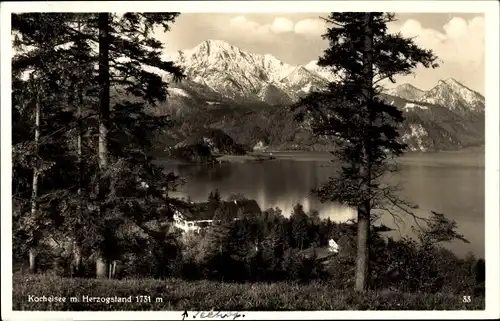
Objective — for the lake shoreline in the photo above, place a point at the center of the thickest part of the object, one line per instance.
(327, 156)
(298, 155)
(451, 183)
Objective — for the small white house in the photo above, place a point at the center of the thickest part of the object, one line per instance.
(322, 254)
(187, 224)
(333, 246)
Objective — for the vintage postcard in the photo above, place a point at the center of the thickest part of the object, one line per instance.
(250, 160)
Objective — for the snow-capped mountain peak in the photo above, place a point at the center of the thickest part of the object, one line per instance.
(224, 83)
(217, 43)
(298, 74)
(452, 82)
(323, 72)
(236, 73)
(469, 95)
(448, 93)
(406, 91)
(454, 95)
(312, 65)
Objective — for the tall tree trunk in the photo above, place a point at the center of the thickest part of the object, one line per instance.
(362, 260)
(362, 248)
(34, 194)
(101, 267)
(32, 259)
(113, 269)
(77, 248)
(102, 264)
(77, 259)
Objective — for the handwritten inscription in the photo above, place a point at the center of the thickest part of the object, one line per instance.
(232, 315)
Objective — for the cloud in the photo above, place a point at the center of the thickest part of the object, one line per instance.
(306, 27)
(455, 28)
(313, 27)
(281, 24)
(462, 41)
(459, 46)
(244, 24)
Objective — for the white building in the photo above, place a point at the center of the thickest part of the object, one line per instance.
(204, 214)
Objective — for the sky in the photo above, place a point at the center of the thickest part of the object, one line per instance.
(295, 38)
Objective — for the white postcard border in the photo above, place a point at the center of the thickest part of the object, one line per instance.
(492, 225)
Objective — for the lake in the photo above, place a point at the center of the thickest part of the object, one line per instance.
(451, 183)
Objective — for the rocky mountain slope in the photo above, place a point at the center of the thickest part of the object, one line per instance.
(455, 96)
(237, 74)
(406, 91)
(245, 95)
(429, 127)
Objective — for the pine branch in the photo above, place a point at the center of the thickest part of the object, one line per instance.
(332, 22)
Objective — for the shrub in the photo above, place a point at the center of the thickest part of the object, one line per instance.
(263, 248)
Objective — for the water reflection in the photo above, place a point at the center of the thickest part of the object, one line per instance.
(439, 182)
(273, 184)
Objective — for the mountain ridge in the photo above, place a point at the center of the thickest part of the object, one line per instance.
(224, 83)
(227, 69)
(236, 73)
(406, 91)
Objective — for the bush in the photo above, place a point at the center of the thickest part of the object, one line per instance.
(264, 248)
(409, 266)
(340, 273)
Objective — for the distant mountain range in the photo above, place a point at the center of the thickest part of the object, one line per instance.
(246, 96)
(237, 74)
(449, 93)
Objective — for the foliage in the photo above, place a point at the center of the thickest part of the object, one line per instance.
(261, 248)
(299, 227)
(201, 146)
(352, 115)
(198, 153)
(38, 86)
(354, 121)
(214, 197)
(132, 223)
(60, 51)
(275, 127)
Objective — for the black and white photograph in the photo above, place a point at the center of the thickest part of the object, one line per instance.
(218, 160)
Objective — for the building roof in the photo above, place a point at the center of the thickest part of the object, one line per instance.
(321, 253)
(224, 210)
(249, 206)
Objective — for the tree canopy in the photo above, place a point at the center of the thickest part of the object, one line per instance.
(361, 54)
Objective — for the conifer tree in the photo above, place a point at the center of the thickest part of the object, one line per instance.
(40, 132)
(129, 77)
(217, 197)
(128, 53)
(214, 197)
(299, 227)
(362, 54)
(81, 86)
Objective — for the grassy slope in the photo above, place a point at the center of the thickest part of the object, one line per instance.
(206, 295)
